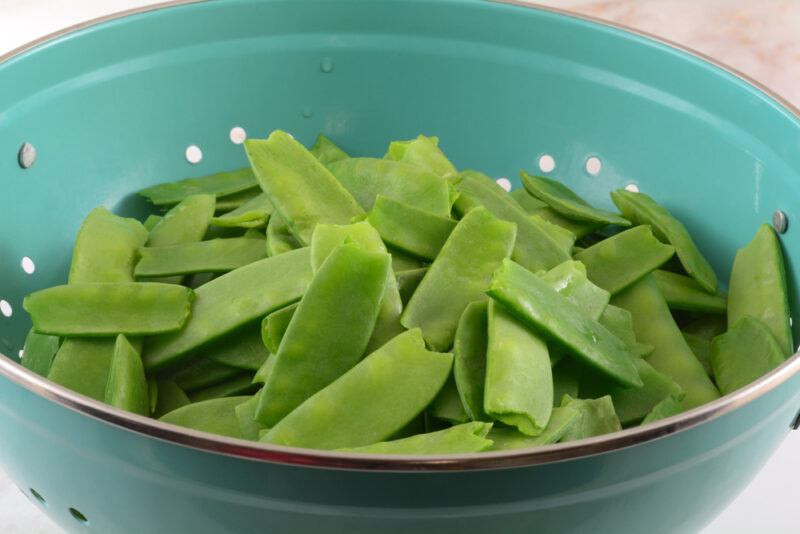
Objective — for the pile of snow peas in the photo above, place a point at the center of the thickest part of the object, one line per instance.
(397, 305)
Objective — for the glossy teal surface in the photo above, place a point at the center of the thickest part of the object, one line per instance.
(112, 108)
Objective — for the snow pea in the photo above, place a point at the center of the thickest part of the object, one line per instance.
(459, 275)
(619, 261)
(534, 206)
(326, 151)
(562, 237)
(469, 358)
(569, 279)
(252, 214)
(566, 202)
(186, 222)
(372, 401)
(519, 380)
(758, 287)
(214, 256)
(620, 323)
(746, 352)
(562, 419)
(236, 200)
(329, 330)
(534, 248)
(263, 372)
(566, 379)
(366, 178)
(241, 384)
(408, 281)
(127, 385)
(105, 309)
(302, 190)
(459, 439)
(170, 397)
(541, 307)
(684, 293)
(202, 373)
(242, 349)
(423, 152)
(701, 348)
(401, 262)
(653, 324)
(233, 300)
(219, 185)
(279, 238)
(447, 404)
(706, 326)
(641, 209)
(151, 222)
(217, 416)
(274, 326)
(597, 417)
(38, 352)
(668, 407)
(410, 229)
(82, 365)
(245, 415)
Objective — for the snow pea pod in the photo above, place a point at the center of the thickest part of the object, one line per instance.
(301, 189)
(668, 407)
(242, 349)
(214, 256)
(237, 200)
(566, 379)
(245, 415)
(619, 261)
(758, 287)
(562, 237)
(263, 372)
(701, 347)
(620, 323)
(459, 275)
(653, 324)
(566, 202)
(151, 222)
(562, 419)
(459, 439)
(423, 152)
(241, 384)
(366, 178)
(186, 222)
(408, 228)
(170, 397)
(202, 373)
(219, 185)
(684, 293)
(641, 209)
(252, 214)
(82, 365)
(519, 380)
(217, 416)
(105, 309)
(326, 151)
(127, 385)
(274, 326)
(408, 281)
(746, 352)
(279, 238)
(402, 262)
(372, 401)
(597, 417)
(38, 352)
(447, 404)
(233, 300)
(469, 358)
(541, 307)
(570, 280)
(534, 206)
(329, 330)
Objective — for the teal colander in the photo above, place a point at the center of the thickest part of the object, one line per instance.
(112, 106)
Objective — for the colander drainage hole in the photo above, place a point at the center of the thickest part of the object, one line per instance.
(38, 496)
(78, 516)
(593, 165)
(27, 265)
(194, 154)
(632, 187)
(547, 163)
(238, 135)
(505, 183)
(5, 308)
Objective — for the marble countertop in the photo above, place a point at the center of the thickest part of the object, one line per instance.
(757, 37)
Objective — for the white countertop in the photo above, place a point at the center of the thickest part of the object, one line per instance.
(760, 38)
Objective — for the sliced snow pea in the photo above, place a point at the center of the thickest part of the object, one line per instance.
(469, 358)
(151, 222)
(620, 323)
(463, 438)
(408, 281)
(641, 209)
(236, 200)
(219, 185)
(242, 349)
(214, 256)
(274, 326)
(203, 373)
(619, 261)
(459, 275)
(301, 189)
(326, 151)
(534, 248)
(245, 415)
(233, 300)
(329, 330)
(597, 417)
(706, 326)
(410, 229)
(105, 309)
(668, 407)
(653, 324)
(541, 307)
(684, 293)
(447, 404)
(562, 237)
(570, 280)
(701, 347)
(263, 372)
(186, 222)
(758, 287)
(423, 152)
(127, 385)
(746, 352)
(372, 401)
(534, 206)
(279, 238)
(566, 379)
(241, 384)
(217, 416)
(170, 397)
(252, 214)
(562, 419)
(401, 262)
(564, 201)
(82, 365)
(38, 352)
(366, 178)
(519, 380)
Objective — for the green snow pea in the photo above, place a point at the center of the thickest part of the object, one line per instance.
(186, 222)
(668, 407)
(127, 385)
(447, 404)
(279, 238)
(459, 439)
(219, 185)
(263, 372)
(82, 365)
(597, 418)
(534, 206)
(746, 352)
(701, 347)
(38, 352)
(620, 323)
(274, 326)
(372, 401)
(151, 222)
(619, 261)
(684, 293)
(245, 415)
(562, 419)
(217, 416)
(566, 379)
(653, 324)
(302, 190)
(562, 237)
(236, 200)
(202, 373)
(214, 256)
(410, 229)
(541, 307)
(366, 178)
(241, 384)
(570, 280)
(408, 281)
(758, 287)
(469, 358)
(170, 397)
(564, 201)
(423, 152)
(242, 349)
(459, 275)
(534, 248)
(401, 262)
(252, 214)
(105, 309)
(233, 300)
(519, 380)
(641, 209)
(329, 330)
(706, 326)
(326, 151)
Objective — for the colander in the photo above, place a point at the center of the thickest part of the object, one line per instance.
(103, 109)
